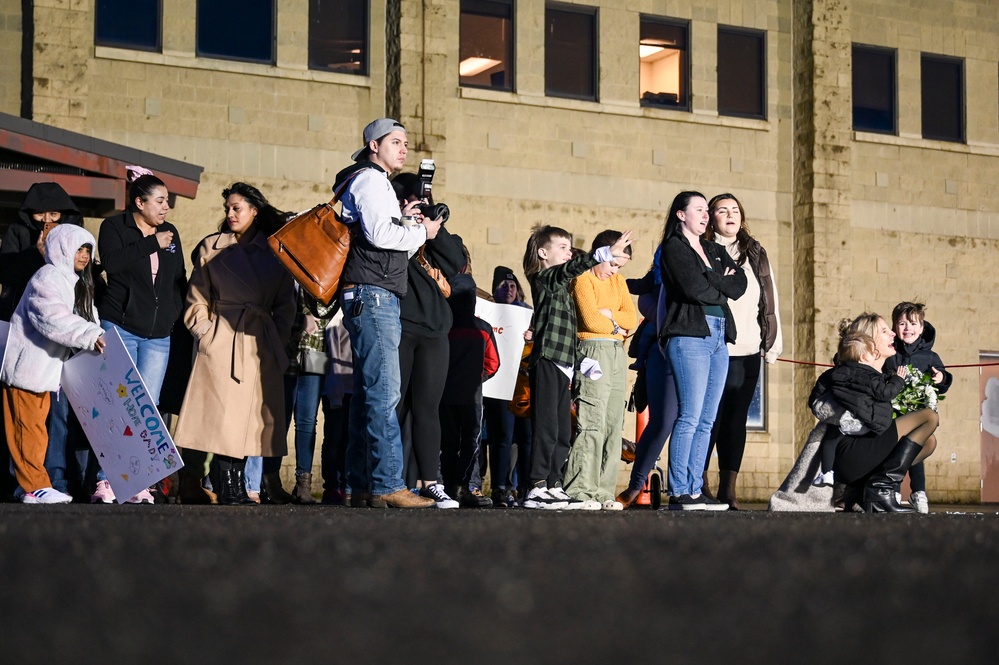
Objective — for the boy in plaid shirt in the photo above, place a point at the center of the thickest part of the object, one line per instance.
(549, 266)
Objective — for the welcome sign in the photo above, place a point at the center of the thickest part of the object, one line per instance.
(509, 323)
(124, 427)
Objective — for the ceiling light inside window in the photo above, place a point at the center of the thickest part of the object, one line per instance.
(475, 66)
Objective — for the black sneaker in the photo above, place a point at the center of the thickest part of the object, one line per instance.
(709, 503)
(687, 502)
(472, 497)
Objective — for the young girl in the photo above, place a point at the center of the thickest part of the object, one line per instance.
(548, 266)
(55, 315)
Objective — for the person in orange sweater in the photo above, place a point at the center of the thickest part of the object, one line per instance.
(605, 315)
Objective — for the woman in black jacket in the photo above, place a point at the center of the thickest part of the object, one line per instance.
(142, 257)
(699, 277)
(424, 352)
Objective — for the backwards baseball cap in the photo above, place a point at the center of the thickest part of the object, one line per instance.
(376, 130)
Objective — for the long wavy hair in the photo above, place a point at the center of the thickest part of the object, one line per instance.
(84, 292)
(680, 202)
(268, 220)
(747, 245)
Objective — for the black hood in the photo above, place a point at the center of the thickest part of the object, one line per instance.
(48, 197)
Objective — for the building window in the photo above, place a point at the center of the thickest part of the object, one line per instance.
(874, 89)
(571, 51)
(236, 31)
(128, 24)
(486, 51)
(943, 98)
(742, 78)
(338, 36)
(664, 65)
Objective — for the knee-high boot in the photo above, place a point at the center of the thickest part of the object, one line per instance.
(879, 494)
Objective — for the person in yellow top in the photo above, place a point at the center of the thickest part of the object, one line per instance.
(605, 315)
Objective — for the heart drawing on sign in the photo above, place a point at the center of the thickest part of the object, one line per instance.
(128, 431)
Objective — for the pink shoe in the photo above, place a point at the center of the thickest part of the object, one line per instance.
(102, 493)
(145, 496)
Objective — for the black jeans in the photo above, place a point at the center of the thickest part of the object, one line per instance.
(729, 431)
(334, 449)
(461, 434)
(423, 365)
(551, 419)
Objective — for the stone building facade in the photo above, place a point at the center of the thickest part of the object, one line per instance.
(853, 220)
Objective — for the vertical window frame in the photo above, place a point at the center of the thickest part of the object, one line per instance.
(684, 99)
(512, 68)
(365, 67)
(962, 110)
(594, 13)
(873, 50)
(200, 53)
(158, 48)
(762, 64)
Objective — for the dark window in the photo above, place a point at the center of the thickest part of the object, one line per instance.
(664, 67)
(943, 98)
(742, 78)
(486, 51)
(874, 89)
(128, 24)
(338, 35)
(236, 30)
(571, 52)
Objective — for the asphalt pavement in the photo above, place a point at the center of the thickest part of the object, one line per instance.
(320, 584)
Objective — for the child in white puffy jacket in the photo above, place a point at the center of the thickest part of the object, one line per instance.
(56, 315)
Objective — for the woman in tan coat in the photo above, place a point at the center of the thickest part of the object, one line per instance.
(240, 309)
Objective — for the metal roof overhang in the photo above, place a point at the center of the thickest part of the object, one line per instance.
(87, 168)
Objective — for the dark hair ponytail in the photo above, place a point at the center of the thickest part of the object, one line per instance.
(680, 202)
(142, 188)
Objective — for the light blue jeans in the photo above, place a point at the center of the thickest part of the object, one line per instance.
(150, 355)
(374, 447)
(700, 365)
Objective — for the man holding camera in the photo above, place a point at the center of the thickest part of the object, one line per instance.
(374, 280)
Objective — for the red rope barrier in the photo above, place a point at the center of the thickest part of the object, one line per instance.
(804, 362)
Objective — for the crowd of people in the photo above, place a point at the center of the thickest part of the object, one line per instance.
(238, 351)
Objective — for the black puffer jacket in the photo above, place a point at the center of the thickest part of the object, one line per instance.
(920, 355)
(865, 392)
(19, 256)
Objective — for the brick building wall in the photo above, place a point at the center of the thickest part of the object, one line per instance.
(851, 220)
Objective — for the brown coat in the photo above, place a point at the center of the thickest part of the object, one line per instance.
(240, 309)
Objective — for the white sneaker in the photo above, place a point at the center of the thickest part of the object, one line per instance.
(145, 496)
(539, 498)
(570, 502)
(591, 504)
(709, 503)
(612, 504)
(824, 479)
(46, 495)
(440, 497)
(919, 501)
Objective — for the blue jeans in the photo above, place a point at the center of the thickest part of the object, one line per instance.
(56, 460)
(661, 390)
(252, 473)
(700, 365)
(302, 393)
(374, 447)
(150, 355)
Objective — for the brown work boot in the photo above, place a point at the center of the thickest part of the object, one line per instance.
(402, 499)
(302, 494)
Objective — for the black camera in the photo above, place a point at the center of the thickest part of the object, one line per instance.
(426, 176)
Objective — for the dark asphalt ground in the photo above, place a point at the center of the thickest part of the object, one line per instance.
(316, 584)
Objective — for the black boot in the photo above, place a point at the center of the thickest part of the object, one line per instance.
(879, 494)
(232, 491)
(272, 491)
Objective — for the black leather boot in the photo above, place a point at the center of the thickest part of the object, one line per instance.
(726, 489)
(879, 494)
(272, 491)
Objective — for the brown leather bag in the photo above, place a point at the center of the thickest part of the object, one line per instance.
(435, 274)
(313, 247)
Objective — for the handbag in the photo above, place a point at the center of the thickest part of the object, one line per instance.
(435, 274)
(313, 247)
(311, 361)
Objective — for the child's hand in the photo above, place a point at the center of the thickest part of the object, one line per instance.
(937, 375)
(902, 372)
(617, 249)
(99, 344)
(528, 335)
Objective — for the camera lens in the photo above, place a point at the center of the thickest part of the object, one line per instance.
(436, 210)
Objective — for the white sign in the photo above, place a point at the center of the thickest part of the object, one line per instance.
(124, 427)
(509, 323)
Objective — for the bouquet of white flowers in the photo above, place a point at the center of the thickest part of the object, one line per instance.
(919, 393)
